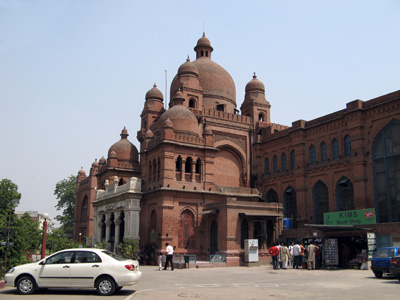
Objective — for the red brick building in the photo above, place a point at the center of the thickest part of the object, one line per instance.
(210, 177)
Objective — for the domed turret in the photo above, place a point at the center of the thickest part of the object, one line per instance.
(154, 93)
(124, 150)
(188, 68)
(255, 85)
(218, 87)
(182, 119)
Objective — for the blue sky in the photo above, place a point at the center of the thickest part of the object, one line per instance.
(74, 73)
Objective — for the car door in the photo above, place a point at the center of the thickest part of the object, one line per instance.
(85, 268)
(56, 270)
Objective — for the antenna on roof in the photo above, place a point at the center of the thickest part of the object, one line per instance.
(166, 93)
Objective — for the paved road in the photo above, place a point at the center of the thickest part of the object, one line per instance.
(242, 283)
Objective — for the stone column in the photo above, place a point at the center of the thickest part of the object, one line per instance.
(117, 223)
(108, 230)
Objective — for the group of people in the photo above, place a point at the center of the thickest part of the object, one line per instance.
(284, 256)
(169, 251)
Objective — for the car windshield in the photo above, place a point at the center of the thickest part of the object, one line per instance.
(113, 255)
(384, 253)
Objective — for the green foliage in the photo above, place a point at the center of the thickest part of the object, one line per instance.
(58, 240)
(24, 238)
(130, 248)
(148, 252)
(101, 245)
(9, 196)
(65, 193)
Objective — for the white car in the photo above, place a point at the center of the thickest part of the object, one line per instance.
(76, 268)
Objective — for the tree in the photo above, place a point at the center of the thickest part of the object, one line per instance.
(9, 199)
(58, 240)
(9, 196)
(66, 192)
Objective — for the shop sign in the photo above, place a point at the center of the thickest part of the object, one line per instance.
(350, 217)
(371, 237)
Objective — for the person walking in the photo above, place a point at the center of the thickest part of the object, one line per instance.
(291, 254)
(301, 255)
(170, 254)
(311, 249)
(296, 255)
(285, 255)
(160, 261)
(274, 252)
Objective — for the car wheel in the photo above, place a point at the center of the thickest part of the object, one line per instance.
(105, 286)
(378, 274)
(26, 285)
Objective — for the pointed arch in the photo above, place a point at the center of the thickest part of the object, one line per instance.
(321, 202)
(344, 194)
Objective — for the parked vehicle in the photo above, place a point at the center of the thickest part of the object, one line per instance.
(380, 263)
(395, 266)
(76, 268)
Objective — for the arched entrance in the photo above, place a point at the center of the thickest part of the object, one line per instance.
(214, 237)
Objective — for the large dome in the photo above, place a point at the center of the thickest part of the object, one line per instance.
(217, 85)
(124, 149)
(215, 80)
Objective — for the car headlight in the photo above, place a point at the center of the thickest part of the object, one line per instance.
(11, 270)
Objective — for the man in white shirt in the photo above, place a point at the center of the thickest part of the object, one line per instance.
(170, 254)
(296, 256)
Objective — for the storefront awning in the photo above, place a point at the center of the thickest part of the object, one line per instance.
(261, 214)
(208, 212)
(328, 228)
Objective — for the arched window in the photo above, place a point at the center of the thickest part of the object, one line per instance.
(84, 210)
(186, 235)
(150, 170)
(347, 146)
(178, 167)
(321, 202)
(158, 169)
(192, 103)
(335, 149)
(266, 166)
(290, 205)
(275, 164)
(121, 181)
(153, 227)
(261, 117)
(258, 233)
(386, 168)
(154, 170)
(313, 159)
(292, 160)
(272, 196)
(244, 232)
(344, 195)
(220, 107)
(283, 161)
(198, 166)
(188, 165)
(324, 155)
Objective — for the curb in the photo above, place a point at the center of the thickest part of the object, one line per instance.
(2, 284)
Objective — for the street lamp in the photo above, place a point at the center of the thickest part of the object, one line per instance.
(80, 240)
(45, 216)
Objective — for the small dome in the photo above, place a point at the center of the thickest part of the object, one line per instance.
(95, 163)
(112, 154)
(188, 68)
(154, 93)
(168, 124)
(124, 150)
(203, 41)
(82, 172)
(102, 160)
(182, 119)
(255, 85)
(149, 134)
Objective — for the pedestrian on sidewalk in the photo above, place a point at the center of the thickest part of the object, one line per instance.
(274, 252)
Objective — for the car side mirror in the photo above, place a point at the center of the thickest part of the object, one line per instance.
(43, 262)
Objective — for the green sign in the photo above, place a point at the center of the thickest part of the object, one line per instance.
(351, 217)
